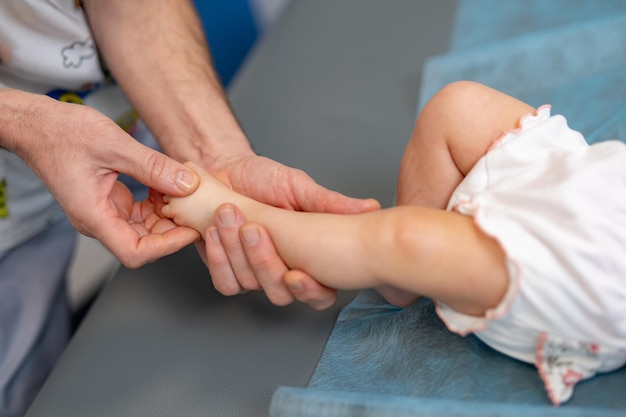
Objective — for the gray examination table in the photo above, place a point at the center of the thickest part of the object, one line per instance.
(333, 90)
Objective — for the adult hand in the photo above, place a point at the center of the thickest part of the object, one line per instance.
(78, 153)
(191, 119)
(242, 257)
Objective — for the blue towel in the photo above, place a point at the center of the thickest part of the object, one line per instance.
(384, 361)
(316, 403)
(481, 22)
(534, 62)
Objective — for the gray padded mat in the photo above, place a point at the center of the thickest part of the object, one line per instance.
(161, 342)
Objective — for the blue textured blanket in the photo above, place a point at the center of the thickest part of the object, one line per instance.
(384, 361)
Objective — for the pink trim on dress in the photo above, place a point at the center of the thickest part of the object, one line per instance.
(513, 289)
(563, 363)
(503, 306)
(522, 120)
(540, 368)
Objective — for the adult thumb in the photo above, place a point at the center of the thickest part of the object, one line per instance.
(160, 172)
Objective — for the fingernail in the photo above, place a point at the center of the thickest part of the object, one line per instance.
(215, 236)
(185, 179)
(227, 217)
(250, 235)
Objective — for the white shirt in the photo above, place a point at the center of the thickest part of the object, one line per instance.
(46, 47)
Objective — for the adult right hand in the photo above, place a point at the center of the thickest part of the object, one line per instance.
(239, 263)
(234, 243)
(79, 153)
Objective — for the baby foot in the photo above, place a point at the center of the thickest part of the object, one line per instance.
(197, 209)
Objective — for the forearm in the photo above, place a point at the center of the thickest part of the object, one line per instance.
(157, 52)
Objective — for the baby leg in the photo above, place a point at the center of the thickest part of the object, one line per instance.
(196, 210)
(454, 130)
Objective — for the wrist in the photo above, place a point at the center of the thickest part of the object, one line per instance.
(20, 112)
(213, 153)
(9, 117)
(203, 130)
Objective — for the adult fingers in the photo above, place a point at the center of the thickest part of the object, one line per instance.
(228, 222)
(134, 249)
(216, 259)
(313, 197)
(243, 257)
(265, 262)
(156, 170)
(134, 233)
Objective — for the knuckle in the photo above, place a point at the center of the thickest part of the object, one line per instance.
(280, 300)
(130, 261)
(321, 305)
(261, 263)
(250, 283)
(217, 262)
(318, 300)
(227, 287)
(155, 165)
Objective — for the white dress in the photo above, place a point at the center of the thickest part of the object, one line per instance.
(557, 206)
